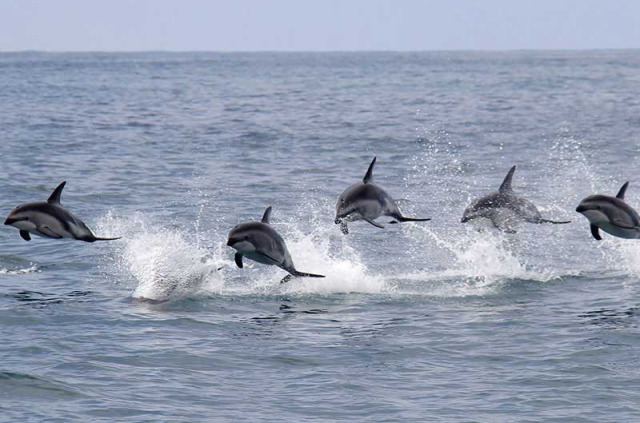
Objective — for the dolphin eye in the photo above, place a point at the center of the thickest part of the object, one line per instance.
(246, 237)
(26, 218)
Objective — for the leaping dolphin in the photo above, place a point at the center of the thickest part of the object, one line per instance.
(260, 242)
(504, 208)
(367, 201)
(611, 214)
(50, 220)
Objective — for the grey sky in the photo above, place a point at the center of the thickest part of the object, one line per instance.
(254, 25)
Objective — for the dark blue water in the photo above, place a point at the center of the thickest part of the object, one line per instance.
(435, 321)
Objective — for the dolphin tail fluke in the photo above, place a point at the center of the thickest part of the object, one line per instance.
(411, 219)
(555, 222)
(296, 274)
(97, 238)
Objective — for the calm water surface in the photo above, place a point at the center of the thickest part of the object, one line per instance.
(435, 321)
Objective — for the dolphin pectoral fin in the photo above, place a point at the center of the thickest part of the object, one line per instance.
(376, 224)
(238, 259)
(45, 231)
(344, 228)
(25, 235)
(595, 231)
(503, 223)
(623, 225)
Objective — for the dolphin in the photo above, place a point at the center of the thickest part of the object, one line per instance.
(50, 220)
(611, 214)
(504, 208)
(260, 242)
(367, 201)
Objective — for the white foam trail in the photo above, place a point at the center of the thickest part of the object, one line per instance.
(165, 263)
(31, 269)
(480, 263)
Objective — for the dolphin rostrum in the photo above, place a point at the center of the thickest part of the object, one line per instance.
(367, 201)
(260, 242)
(611, 214)
(50, 220)
(504, 208)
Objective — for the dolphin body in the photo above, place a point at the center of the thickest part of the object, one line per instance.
(260, 242)
(367, 201)
(504, 208)
(611, 214)
(50, 220)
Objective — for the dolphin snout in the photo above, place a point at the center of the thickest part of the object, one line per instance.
(9, 220)
(581, 208)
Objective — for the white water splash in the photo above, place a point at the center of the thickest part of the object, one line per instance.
(327, 252)
(31, 269)
(480, 262)
(172, 264)
(165, 263)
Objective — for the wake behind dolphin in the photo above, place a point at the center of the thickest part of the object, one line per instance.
(50, 220)
(367, 201)
(504, 208)
(611, 214)
(260, 242)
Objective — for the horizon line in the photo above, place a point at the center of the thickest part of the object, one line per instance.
(455, 50)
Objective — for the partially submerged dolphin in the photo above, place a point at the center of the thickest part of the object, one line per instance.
(367, 201)
(50, 220)
(611, 214)
(504, 208)
(260, 242)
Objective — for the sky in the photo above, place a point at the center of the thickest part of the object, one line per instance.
(317, 25)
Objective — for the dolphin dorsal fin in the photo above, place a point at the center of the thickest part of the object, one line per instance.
(266, 215)
(55, 196)
(368, 177)
(506, 184)
(622, 191)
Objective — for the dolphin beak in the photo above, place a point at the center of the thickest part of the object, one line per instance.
(9, 221)
(581, 209)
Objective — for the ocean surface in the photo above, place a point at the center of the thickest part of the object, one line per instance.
(435, 321)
